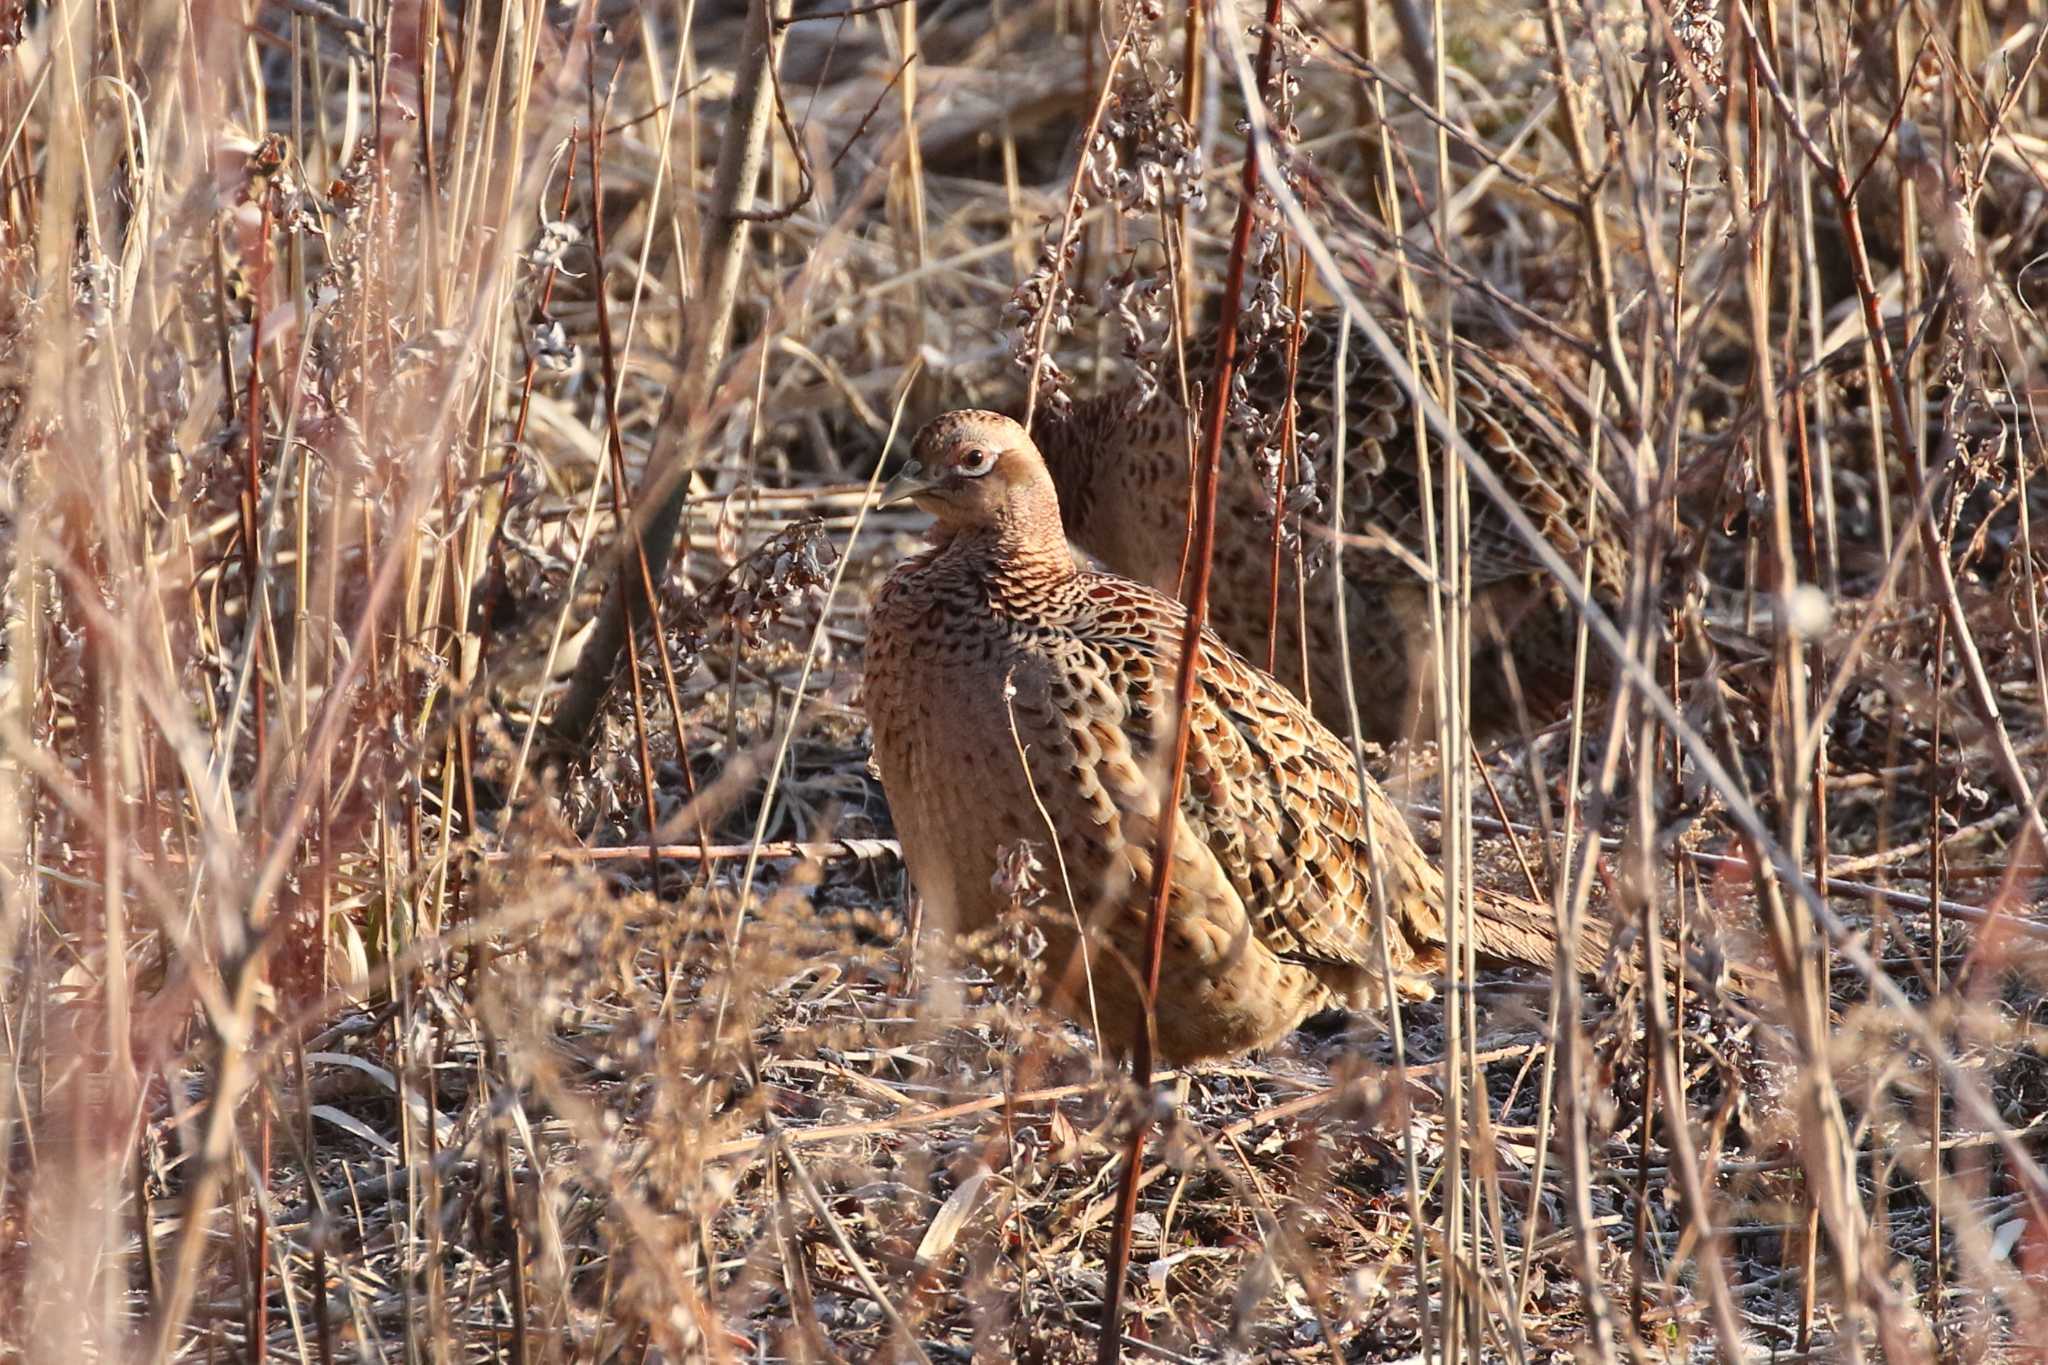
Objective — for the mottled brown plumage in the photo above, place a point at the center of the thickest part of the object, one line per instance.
(1122, 468)
(1016, 695)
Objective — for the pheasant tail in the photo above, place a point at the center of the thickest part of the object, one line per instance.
(1516, 929)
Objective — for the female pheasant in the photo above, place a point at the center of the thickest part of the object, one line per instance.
(1120, 461)
(1015, 695)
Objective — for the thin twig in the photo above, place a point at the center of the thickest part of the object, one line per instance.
(658, 502)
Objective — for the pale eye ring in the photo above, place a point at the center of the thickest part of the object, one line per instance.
(977, 462)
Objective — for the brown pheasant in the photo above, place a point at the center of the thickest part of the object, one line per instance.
(1016, 695)
(1120, 461)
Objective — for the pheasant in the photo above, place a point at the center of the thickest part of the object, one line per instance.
(1016, 695)
(1120, 461)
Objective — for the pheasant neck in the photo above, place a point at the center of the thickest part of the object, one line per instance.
(1024, 542)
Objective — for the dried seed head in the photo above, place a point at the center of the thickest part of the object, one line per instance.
(555, 239)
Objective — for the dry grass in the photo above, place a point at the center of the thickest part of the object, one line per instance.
(339, 1017)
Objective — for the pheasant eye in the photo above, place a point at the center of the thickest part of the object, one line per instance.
(976, 462)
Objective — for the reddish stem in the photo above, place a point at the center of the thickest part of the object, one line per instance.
(1214, 415)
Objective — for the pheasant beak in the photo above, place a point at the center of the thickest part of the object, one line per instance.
(910, 481)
